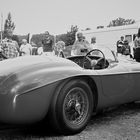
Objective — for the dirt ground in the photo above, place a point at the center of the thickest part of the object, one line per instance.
(122, 123)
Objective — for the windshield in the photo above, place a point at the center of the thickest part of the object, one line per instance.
(109, 54)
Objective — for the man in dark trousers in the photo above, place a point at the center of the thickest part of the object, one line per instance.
(47, 43)
(120, 44)
(137, 47)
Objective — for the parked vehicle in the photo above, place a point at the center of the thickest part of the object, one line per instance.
(66, 91)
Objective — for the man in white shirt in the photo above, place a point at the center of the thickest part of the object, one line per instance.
(25, 48)
(80, 46)
(40, 50)
(93, 44)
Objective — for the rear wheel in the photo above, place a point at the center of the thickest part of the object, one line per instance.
(72, 107)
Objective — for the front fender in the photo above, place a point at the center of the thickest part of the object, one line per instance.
(26, 108)
(30, 79)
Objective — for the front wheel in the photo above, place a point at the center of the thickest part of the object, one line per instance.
(72, 107)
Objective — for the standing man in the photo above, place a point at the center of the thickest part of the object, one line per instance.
(9, 47)
(47, 44)
(80, 46)
(127, 49)
(25, 48)
(93, 43)
(137, 47)
(120, 44)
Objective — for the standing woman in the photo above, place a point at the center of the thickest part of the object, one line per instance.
(59, 49)
(137, 47)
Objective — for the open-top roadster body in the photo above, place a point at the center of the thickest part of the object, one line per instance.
(65, 91)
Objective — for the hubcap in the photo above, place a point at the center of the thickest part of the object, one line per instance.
(75, 107)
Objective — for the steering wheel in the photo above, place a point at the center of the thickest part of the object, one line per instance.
(94, 63)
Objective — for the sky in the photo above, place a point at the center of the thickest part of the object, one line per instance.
(57, 16)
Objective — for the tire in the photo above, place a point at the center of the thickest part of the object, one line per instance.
(71, 107)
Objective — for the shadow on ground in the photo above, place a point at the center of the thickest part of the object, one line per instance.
(115, 113)
(38, 131)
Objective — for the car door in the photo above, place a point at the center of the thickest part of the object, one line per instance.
(116, 83)
(134, 72)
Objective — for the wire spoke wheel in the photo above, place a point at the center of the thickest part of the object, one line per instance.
(72, 106)
(76, 106)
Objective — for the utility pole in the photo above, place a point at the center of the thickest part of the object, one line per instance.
(1, 28)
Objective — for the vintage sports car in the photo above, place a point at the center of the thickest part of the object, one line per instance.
(65, 91)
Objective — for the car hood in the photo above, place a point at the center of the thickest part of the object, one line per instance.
(9, 67)
(12, 65)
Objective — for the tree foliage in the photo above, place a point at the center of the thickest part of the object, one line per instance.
(100, 27)
(9, 25)
(87, 29)
(21, 37)
(37, 39)
(120, 21)
(69, 37)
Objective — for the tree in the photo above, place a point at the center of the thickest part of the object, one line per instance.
(100, 27)
(37, 39)
(121, 21)
(69, 37)
(9, 25)
(20, 38)
(61, 37)
(87, 29)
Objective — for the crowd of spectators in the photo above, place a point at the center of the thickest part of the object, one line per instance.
(123, 47)
(9, 48)
(133, 49)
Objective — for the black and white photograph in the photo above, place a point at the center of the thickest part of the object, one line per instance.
(69, 70)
